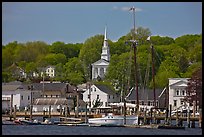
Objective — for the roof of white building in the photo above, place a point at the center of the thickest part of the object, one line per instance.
(101, 62)
(105, 89)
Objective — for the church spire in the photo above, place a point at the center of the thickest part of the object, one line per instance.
(105, 49)
(105, 36)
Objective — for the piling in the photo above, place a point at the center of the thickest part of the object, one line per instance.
(14, 114)
(145, 116)
(31, 112)
(200, 118)
(49, 111)
(25, 113)
(77, 106)
(188, 117)
(11, 106)
(86, 120)
(60, 110)
(177, 119)
(170, 108)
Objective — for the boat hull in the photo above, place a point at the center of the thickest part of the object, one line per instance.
(114, 120)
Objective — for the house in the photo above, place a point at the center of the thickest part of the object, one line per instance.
(55, 94)
(43, 104)
(101, 93)
(99, 67)
(146, 98)
(17, 72)
(19, 94)
(49, 71)
(177, 92)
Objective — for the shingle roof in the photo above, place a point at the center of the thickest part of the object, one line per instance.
(10, 87)
(49, 86)
(56, 101)
(105, 89)
(146, 94)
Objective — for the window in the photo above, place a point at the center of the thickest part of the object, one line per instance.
(22, 97)
(108, 96)
(183, 92)
(182, 102)
(148, 103)
(175, 103)
(157, 103)
(89, 96)
(142, 102)
(106, 104)
(28, 97)
(113, 96)
(177, 92)
(97, 96)
(94, 89)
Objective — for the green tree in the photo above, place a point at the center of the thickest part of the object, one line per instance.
(90, 52)
(54, 59)
(74, 71)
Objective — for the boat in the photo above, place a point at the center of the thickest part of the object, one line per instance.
(26, 122)
(69, 121)
(114, 120)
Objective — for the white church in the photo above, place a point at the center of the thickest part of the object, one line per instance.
(99, 67)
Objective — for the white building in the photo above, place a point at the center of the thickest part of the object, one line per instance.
(21, 95)
(49, 71)
(177, 92)
(102, 93)
(99, 67)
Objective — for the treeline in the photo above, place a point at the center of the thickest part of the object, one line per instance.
(178, 57)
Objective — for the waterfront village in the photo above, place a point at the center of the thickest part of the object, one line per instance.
(88, 100)
(81, 104)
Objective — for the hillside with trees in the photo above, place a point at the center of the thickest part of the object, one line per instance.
(177, 58)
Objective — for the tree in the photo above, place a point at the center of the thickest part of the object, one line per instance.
(158, 40)
(90, 52)
(74, 71)
(54, 59)
(194, 88)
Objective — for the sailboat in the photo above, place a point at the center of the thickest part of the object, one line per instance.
(119, 120)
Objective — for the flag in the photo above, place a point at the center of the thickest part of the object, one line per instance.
(148, 38)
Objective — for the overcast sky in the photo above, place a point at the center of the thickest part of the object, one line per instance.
(74, 22)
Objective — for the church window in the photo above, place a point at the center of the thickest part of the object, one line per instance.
(177, 92)
(175, 103)
(183, 92)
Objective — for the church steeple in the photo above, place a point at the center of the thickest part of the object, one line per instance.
(105, 49)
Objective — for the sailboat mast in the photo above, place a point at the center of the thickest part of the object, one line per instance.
(153, 75)
(134, 44)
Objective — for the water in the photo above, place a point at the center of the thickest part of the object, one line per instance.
(86, 130)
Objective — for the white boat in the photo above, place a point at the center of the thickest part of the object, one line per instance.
(114, 120)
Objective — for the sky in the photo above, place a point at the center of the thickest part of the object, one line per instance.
(75, 22)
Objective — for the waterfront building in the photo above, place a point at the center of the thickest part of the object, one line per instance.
(146, 98)
(19, 94)
(99, 67)
(101, 93)
(177, 93)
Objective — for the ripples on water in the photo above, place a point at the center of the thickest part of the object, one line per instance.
(86, 130)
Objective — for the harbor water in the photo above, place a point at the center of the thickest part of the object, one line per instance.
(87, 130)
